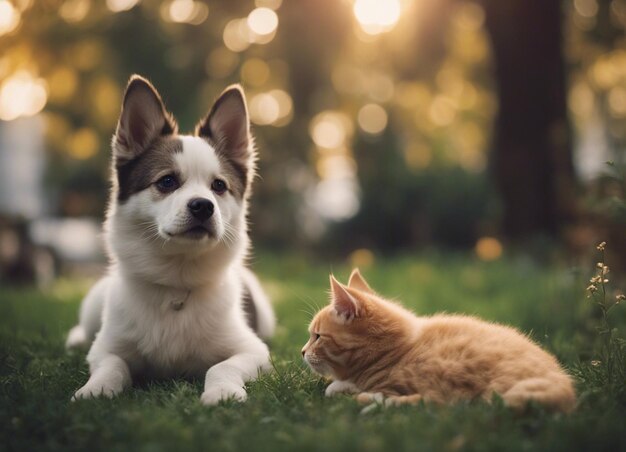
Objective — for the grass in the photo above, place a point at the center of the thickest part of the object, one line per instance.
(286, 409)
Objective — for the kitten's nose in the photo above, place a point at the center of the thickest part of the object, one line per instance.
(303, 351)
(201, 208)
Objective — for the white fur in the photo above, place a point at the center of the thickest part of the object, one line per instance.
(341, 387)
(266, 322)
(170, 305)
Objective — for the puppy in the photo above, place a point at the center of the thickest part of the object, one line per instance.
(177, 300)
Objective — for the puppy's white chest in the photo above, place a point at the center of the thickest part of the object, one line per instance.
(181, 335)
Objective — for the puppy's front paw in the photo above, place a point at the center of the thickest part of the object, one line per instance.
(96, 389)
(224, 391)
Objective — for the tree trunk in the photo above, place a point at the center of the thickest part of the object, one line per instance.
(531, 160)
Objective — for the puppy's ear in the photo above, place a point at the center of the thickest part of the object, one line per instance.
(142, 120)
(358, 282)
(227, 126)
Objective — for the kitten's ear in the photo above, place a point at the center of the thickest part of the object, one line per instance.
(345, 304)
(227, 125)
(142, 120)
(358, 282)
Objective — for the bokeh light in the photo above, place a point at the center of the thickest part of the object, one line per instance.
(104, 95)
(285, 107)
(83, 143)
(185, 11)
(336, 165)
(271, 108)
(586, 8)
(264, 109)
(22, 95)
(604, 73)
(581, 99)
(262, 21)
(418, 156)
(330, 129)
(470, 17)
(442, 111)
(236, 35)
(361, 258)
(336, 198)
(74, 10)
(488, 249)
(181, 10)
(63, 82)
(372, 119)
(9, 17)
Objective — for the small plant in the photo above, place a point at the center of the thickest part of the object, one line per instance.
(607, 372)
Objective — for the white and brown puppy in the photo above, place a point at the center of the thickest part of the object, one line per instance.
(177, 300)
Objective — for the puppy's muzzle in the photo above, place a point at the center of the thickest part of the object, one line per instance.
(201, 208)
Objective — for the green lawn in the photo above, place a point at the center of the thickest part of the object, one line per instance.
(286, 409)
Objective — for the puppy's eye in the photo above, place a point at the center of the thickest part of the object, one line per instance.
(167, 183)
(219, 186)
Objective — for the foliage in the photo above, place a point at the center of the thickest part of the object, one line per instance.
(419, 92)
(441, 204)
(610, 201)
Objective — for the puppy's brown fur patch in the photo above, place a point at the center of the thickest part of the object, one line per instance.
(139, 173)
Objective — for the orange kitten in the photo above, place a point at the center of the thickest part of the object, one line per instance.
(379, 350)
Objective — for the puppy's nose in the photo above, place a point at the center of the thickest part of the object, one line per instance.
(201, 208)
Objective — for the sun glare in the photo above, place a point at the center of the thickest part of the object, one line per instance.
(377, 16)
(117, 6)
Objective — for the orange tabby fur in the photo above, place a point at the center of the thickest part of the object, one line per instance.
(379, 350)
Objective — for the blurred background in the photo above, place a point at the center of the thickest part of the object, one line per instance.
(383, 126)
